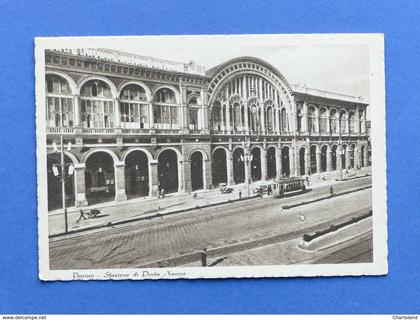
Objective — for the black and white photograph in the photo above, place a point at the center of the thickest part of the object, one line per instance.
(211, 156)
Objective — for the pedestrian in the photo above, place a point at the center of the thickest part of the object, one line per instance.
(307, 181)
(240, 194)
(204, 257)
(331, 191)
(82, 215)
(195, 195)
(269, 190)
(159, 190)
(162, 192)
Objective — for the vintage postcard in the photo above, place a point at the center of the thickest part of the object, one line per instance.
(211, 156)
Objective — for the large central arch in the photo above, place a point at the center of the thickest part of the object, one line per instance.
(249, 92)
(226, 71)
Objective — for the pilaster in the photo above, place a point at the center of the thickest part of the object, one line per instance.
(120, 181)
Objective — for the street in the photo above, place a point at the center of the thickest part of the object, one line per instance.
(143, 242)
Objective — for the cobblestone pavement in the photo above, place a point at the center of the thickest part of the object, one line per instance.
(140, 243)
(138, 208)
(350, 244)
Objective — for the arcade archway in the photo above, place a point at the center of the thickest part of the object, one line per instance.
(334, 157)
(256, 164)
(324, 151)
(313, 159)
(285, 162)
(352, 149)
(271, 163)
(137, 174)
(168, 171)
(362, 156)
(343, 157)
(219, 167)
(55, 200)
(302, 164)
(197, 180)
(100, 178)
(238, 166)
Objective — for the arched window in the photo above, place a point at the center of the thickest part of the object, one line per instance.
(217, 116)
(59, 102)
(352, 122)
(237, 116)
(343, 122)
(165, 109)
(311, 120)
(97, 105)
(283, 121)
(323, 121)
(269, 116)
(334, 121)
(194, 112)
(299, 119)
(361, 122)
(134, 109)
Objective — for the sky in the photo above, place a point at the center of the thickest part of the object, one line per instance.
(340, 68)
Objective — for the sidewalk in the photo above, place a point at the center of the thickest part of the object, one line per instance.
(143, 208)
(113, 212)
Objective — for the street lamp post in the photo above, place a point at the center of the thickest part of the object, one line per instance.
(340, 150)
(63, 179)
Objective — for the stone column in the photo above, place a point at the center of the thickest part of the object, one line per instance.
(184, 111)
(77, 111)
(276, 118)
(339, 158)
(222, 117)
(151, 117)
(119, 181)
(292, 161)
(278, 162)
(305, 118)
(246, 118)
(80, 186)
(316, 120)
(207, 176)
(357, 121)
(228, 127)
(244, 95)
(229, 168)
(181, 186)
(357, 156)
(329, 160)
(187, 175)
(117, 113)
(347, 155)
(308, 160)
(247, 166)
(318, 161)
(263, 164)
(262, 117)
(154, 178)
(328, 121)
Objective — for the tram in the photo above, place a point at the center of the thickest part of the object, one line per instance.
(282, 187)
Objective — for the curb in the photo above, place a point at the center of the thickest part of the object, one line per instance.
(334, 227)
(149, 217)
(354, 178)
(324, 198)
(252, 244)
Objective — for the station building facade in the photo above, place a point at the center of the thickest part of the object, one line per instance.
(131, 125)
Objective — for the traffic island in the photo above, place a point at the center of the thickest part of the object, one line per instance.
(238, 246)
(308, 237)
(330, 196)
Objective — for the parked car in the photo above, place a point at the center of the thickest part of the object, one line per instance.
(224, 188)
(264, 189)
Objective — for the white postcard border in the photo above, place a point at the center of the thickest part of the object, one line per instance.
(378, 132)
